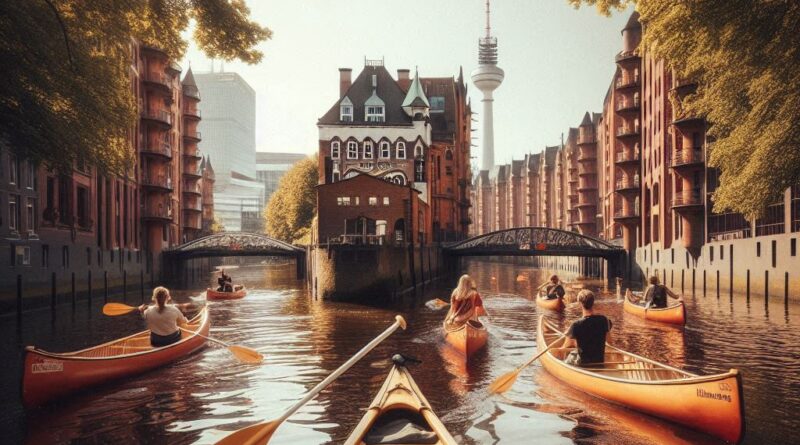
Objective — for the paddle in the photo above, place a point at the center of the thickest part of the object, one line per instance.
(506, 381)
(437, 304)
(242, 353)
(261, 433)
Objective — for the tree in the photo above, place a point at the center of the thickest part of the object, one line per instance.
(216, 225)
(294, 204)
(745, 57)
(66, 94)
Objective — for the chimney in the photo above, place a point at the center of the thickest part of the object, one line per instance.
(344, 80)
(403, 79)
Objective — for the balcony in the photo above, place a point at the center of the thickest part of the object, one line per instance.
(627, 157)
(583, 202)
(161, 183)
(586, 186)
(160, 80)
(688, 157)
(624, 83)
(193, 136)
(585, 222)
(192, 190)
(193, 154)
(587, 169)
(163, 117)
(586, 153)
(190, 113)
(628, 216)
(160, 149)
(192, 223)
(193, 206)
(627, 132)
(627, 185)
(192, 174)
(626, 106)
(688, 201)
(625, 56)
(157, 214)
(191, 91)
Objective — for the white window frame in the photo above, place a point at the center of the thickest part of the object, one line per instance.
(13, 170)
(385, 150)
(375, 113)
(356, 200)
(352, 150)
(368, 152)
(346, 113)
(343, 200)
(30, 176)
(386, 200)
(372, 200)
(419, 150)
(30, 215)
(336, 150)
(400, 148)
(13, 212)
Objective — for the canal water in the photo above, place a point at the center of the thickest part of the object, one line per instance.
(200, 398)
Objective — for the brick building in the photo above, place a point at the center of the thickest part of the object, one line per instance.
(87, 226)
(413, 133)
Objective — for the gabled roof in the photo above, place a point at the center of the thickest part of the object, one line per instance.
(443, 125)
(587, 120)
(550, 154)
(361, 90)
(633, 22)
(499, 172)
(533, 161)
(361, 177)
(415, 96)
(188, 79)
(516, 167)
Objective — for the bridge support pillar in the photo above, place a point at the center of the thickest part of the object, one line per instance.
(615, 267)
(300, 266)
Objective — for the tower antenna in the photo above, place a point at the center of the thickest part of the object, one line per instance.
(488, 25)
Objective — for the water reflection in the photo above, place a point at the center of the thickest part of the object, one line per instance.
(200, 398)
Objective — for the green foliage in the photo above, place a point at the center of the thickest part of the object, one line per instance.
(216, 225)
(745, 56)
(66, 93)
(293, 206)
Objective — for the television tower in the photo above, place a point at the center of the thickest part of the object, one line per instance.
(487, 77)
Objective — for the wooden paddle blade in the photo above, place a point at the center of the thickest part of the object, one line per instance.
(504, 382)
(258, 434)
(113, 309)
(437, 304)
(246, 355)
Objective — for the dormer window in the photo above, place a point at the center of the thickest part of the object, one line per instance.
(401, 150)
(385, 150)
(335, 150)
(375, 114)
(367, 149)
(346, 110)
(352, 150)
(418, 151)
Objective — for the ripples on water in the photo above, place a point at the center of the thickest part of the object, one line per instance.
(200, 398)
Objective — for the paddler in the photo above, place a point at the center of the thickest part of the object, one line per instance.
(163, 319)
(554, 288)
(589, 334)
(464, 302)
(655, 296)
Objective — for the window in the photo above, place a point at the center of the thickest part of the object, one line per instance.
(352, 150)
(367, 149)
(30, 215)
(346, 110)
(45, 256)
(448, 171)
(335, 150)
(13, 212)
(23, 255)
(373, 200)
(758, 249)
(386, 200)
(375, 113)
(356, 200)
(13, 169)
(83, 207)
(65, 257)
(385, 150)
(418, 150)
(401, 150)
(793, 247)
(448, 155)
(343, 201)
(30, 176)
(437, 104)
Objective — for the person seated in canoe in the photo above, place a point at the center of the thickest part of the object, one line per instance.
(464, 302)
(655, 296)
(554, 288)
(163, 319)
(225, 282)
(587, 334)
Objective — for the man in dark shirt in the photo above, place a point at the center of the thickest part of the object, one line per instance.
(554, 288)
(655, 296)
(588, 333)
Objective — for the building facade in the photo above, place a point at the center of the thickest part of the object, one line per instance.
(270, 168)
(98, 230)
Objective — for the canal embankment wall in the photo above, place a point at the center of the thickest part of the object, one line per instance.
(765, 266)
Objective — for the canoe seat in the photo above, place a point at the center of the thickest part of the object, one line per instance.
(400, 426)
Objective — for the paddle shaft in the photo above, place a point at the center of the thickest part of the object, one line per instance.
(528, 363)
(203, 336)
(341, 370)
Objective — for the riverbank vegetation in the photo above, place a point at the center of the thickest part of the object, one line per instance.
(293, 206)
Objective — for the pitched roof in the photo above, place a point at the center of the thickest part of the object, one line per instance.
(415, 96)
(443, 124)
(587, 120)
(365, 177)
(533, 160)
(633, 22)
(516, 167)
(361, 90)
(550, 154)
(188, 79)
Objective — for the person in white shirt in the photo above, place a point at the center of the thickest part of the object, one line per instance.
(163, 319)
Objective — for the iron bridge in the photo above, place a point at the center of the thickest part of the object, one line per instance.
(235, 244)
(535, 241)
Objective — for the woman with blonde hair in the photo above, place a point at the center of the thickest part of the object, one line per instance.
(464, 302)
(163, 320)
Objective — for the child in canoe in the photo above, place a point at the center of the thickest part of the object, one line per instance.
(464, 302)
(163, 320)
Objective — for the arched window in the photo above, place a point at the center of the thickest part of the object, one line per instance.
(448, 155)
(352, 150)
(367, 149)
(401, 150)
(385, 150)
(418, 150)
(396, 178)
(335, 150)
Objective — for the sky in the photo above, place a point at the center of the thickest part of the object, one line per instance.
(558, 62)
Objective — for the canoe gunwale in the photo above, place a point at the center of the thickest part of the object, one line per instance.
(656, 309)
(197, 322)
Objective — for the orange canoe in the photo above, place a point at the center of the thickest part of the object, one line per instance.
(49, 375)
(211, 294)
(555, 304)
(468, 338)
(675, 314)
(712, 404)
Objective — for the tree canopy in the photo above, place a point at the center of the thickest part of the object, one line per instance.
(294, 204)
(745, 57)
(66, 94)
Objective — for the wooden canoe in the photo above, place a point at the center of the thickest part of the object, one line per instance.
(212, 294)
(49, 375)
(555, 304)
(468, 338)
(400, 407)
(712, 404)
(674, 314)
